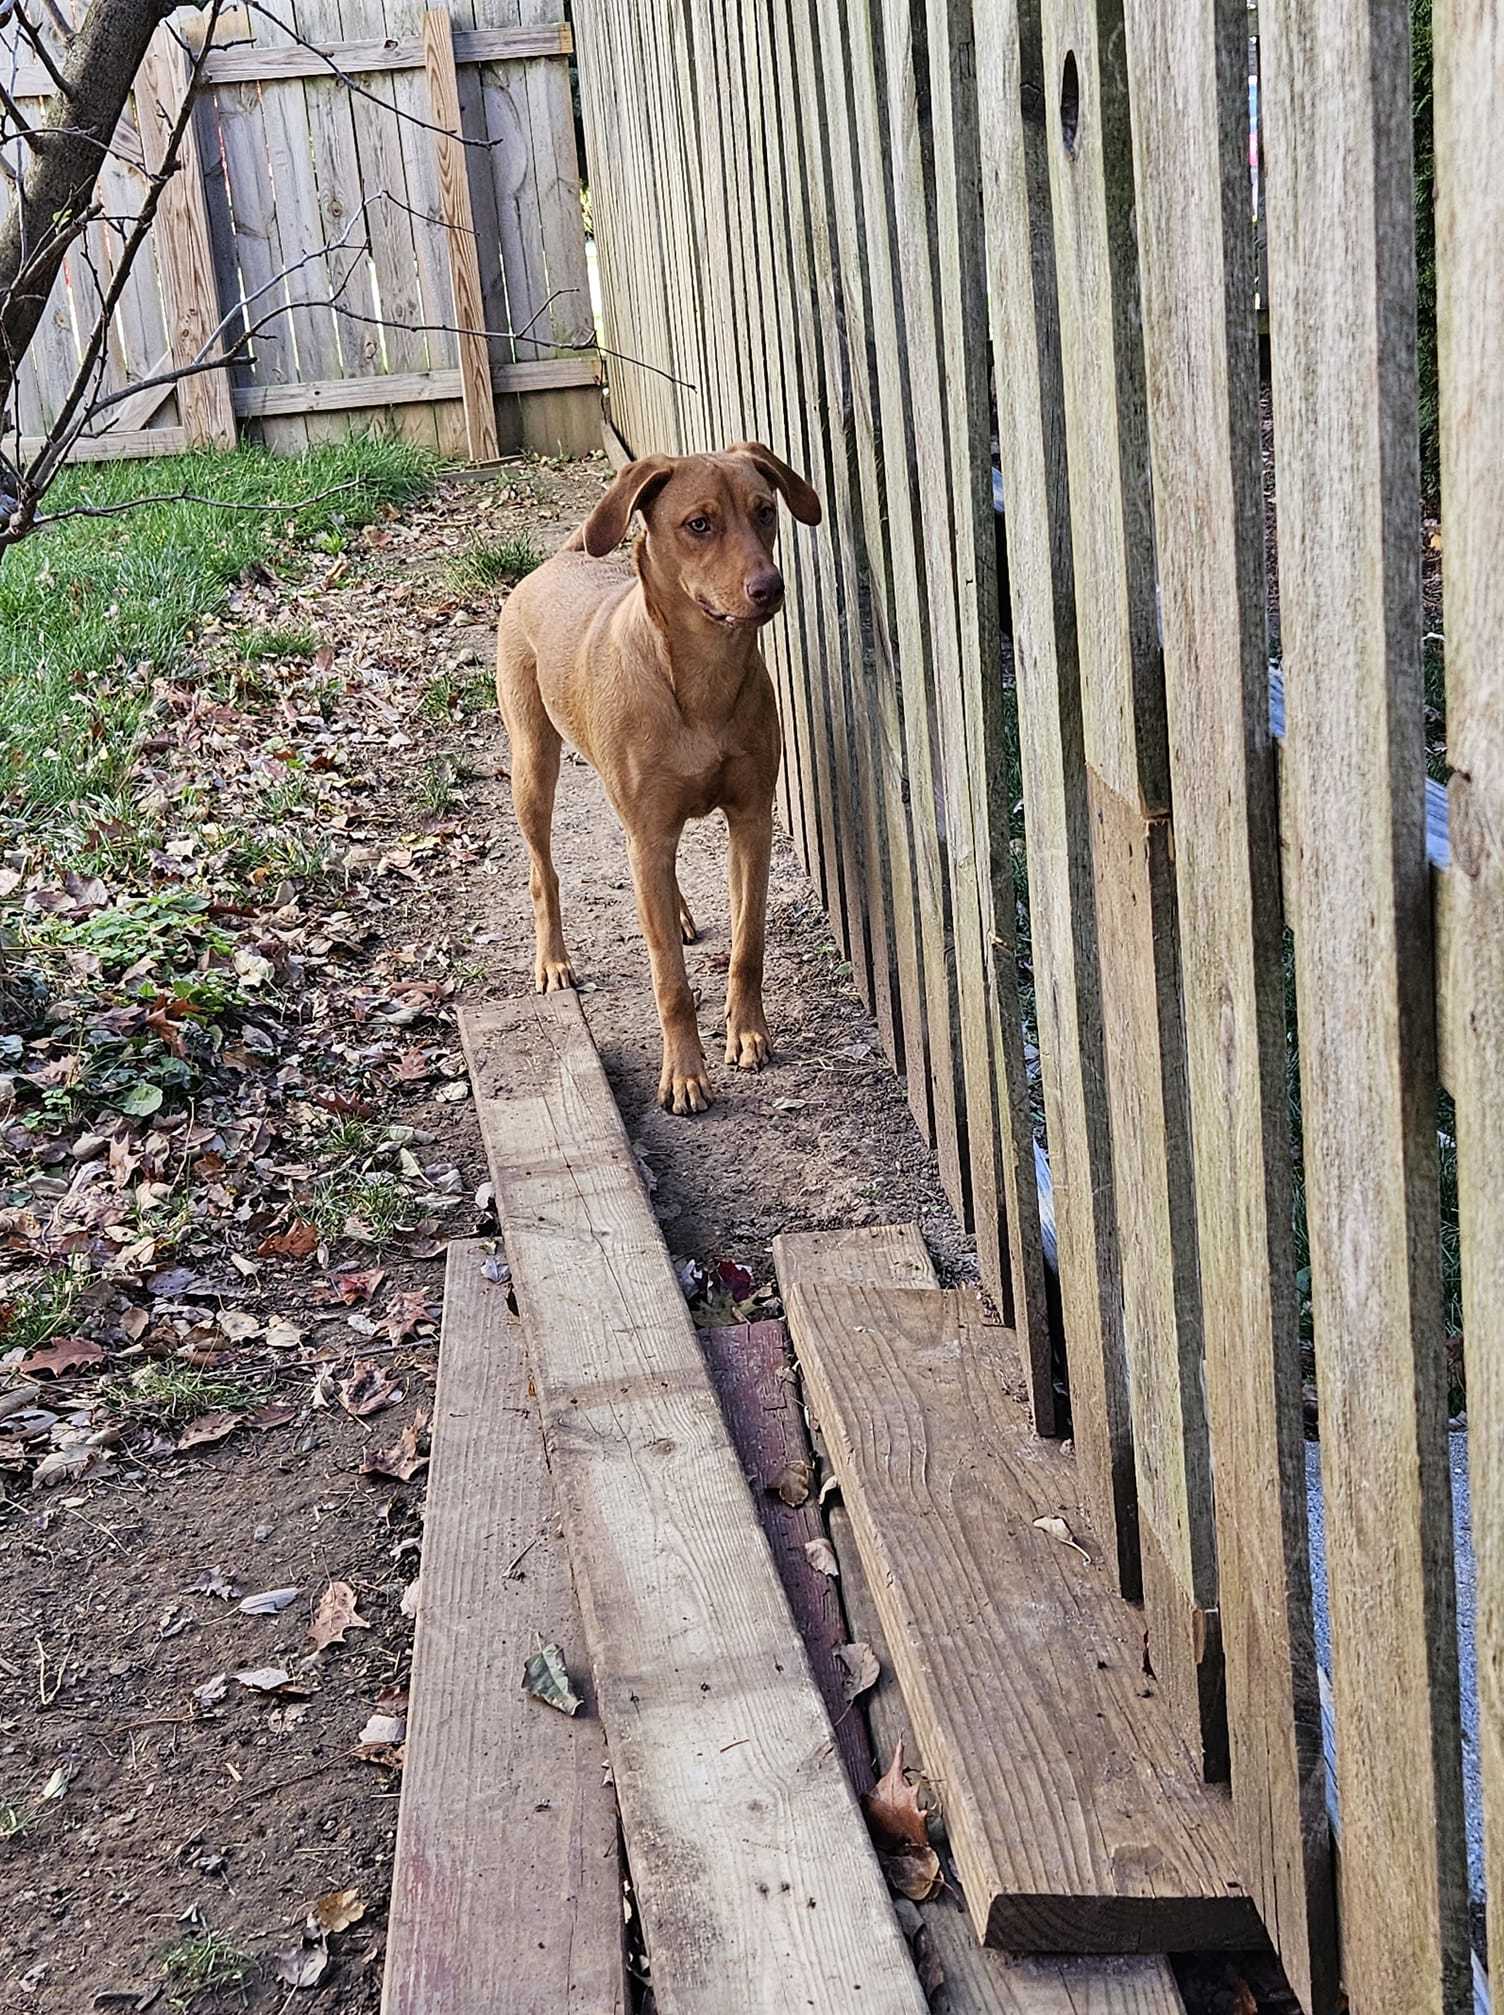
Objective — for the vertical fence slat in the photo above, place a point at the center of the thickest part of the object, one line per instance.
(1062, 899)
(1091, 179)
(1469, 46)
(904, 506)
(1190, 131)
(1342, 297)
(459, 220)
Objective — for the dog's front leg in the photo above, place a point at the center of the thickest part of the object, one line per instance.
(751, 834)
(685, 1083)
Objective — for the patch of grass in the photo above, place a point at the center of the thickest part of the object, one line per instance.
(15, 1819)
(378, 1203)
(286, 642)
(450, 697)
(40, 1312)
(177, 1392)
(435, 786)
(495, 563)
(202, 1962)
(92, 608)
(349, 1139)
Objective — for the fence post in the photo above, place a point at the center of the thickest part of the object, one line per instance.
(464, 257)
(185, 259)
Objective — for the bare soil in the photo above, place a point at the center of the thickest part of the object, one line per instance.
(139, 1817)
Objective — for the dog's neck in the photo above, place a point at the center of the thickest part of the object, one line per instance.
(706, 661)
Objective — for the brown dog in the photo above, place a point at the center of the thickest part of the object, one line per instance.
(661, 687)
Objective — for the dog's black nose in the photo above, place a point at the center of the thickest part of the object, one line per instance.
(765, 591)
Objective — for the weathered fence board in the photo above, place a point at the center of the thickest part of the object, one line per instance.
(1470, 267)
(1337, 112)
(1190, 97)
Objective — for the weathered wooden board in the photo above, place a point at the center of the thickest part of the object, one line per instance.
(1076, 1818)
(1201, 352)
(1469, 42)
(506, 1893)
(1092, 197)
(1338, 111)
(753, 1870)
(1062, 897)
(464, 254)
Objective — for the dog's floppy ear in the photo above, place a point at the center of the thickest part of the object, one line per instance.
(797, 494)
(635, 487)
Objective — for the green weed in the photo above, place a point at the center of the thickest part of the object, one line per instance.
(202, 1962)
(175, 1392)
(288, 642)
(495, 563)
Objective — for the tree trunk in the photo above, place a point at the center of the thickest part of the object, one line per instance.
(59, 168)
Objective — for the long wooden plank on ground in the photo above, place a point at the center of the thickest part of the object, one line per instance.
(506, 1894)
(1077, 1820)
(978, 1981)
(1201, 350)
(756, 1880)
(1338, 114)
(1062, 899)
(1123, 717)
(1470, 262)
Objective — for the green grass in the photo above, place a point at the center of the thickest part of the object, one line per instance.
(177, 1392)
(495, 563)
(380, 1203)
(92, 608)
(435, 785)
(289, 642)
(15, 1819)
(450, 697)
(41, 1311)
(201, 1963)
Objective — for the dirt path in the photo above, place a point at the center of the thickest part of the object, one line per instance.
(163, 1821)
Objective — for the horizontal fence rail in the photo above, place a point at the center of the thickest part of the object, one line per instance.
(1180, 955)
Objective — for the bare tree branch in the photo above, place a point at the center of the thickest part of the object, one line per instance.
(13, 11)
(197, 497)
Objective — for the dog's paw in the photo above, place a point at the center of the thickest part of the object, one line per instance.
(553, 976)
(688, 929)
(685, 1088)
(747, 1047)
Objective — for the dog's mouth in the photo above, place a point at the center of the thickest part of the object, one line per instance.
(753, 621)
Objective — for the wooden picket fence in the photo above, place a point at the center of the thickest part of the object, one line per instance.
(378, 191)
(883, 235)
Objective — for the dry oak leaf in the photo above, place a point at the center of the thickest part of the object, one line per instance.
(822, 1557)
(367, 1390)
(208, 1429)
(404, 1312)
(300, 1239)
(335, 1615)
(896, 1821)
(69, 1353)
(401, 1461)
(862, 1668)
(791, 1485)
(336, 1912)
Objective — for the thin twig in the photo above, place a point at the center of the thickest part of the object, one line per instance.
(193, 497)
(44, 55)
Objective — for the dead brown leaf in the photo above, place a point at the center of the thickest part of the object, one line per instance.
(791, 1485)
(862, 1669)
(367, 1390)
(1058, 1529)
(897, 1823)
(208, 1429)
(405, 1312)
(336, 1912)
(822, 1557)
(350, 1288)
(300, 1239)
(335, 1615)
(401, 1461)
(68, 1353)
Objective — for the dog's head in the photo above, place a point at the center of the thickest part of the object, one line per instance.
(712, 522)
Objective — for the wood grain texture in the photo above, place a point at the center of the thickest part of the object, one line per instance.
(464, 257)
(502, 1900)
(977, 1981)
(180, 237)
(754, 1873)
(1122, 686)
(1190, 97)
(399, 388)
(1469, 42)
(121, 445)
(1062, 895)
(752, 1369)
(1076, 1819)
(1337, 112)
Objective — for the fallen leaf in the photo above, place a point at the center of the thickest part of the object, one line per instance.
(412, 1596)
(67, 1465)
(335, 1615)
(404, 1313)
(213, 1690)
(264, 1678)
(300, 1239)
(335, 1912)
(367, 1390)
(238, 1324)
(208, 1429)
(1058, 1529)
(897, 1823)
(384, 1729)
(69, 1353)
(282, 1334)
(401, 1461)
(862, 1668)
(213, 1581)
(546, 1678)
(791, 1484)
(350, 1288)
(822, 1557)
(302, 1965)
(267, 1417)
(270, 1602)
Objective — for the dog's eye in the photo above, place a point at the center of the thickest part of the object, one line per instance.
(699, 526)
(767, 511)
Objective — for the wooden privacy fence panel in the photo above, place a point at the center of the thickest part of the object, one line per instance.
(383, 199)
(814, 219)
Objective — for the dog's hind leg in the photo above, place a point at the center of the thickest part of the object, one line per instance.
(688, 929)
(535, 776)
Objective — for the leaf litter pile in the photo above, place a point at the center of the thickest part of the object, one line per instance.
(234, 1142)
